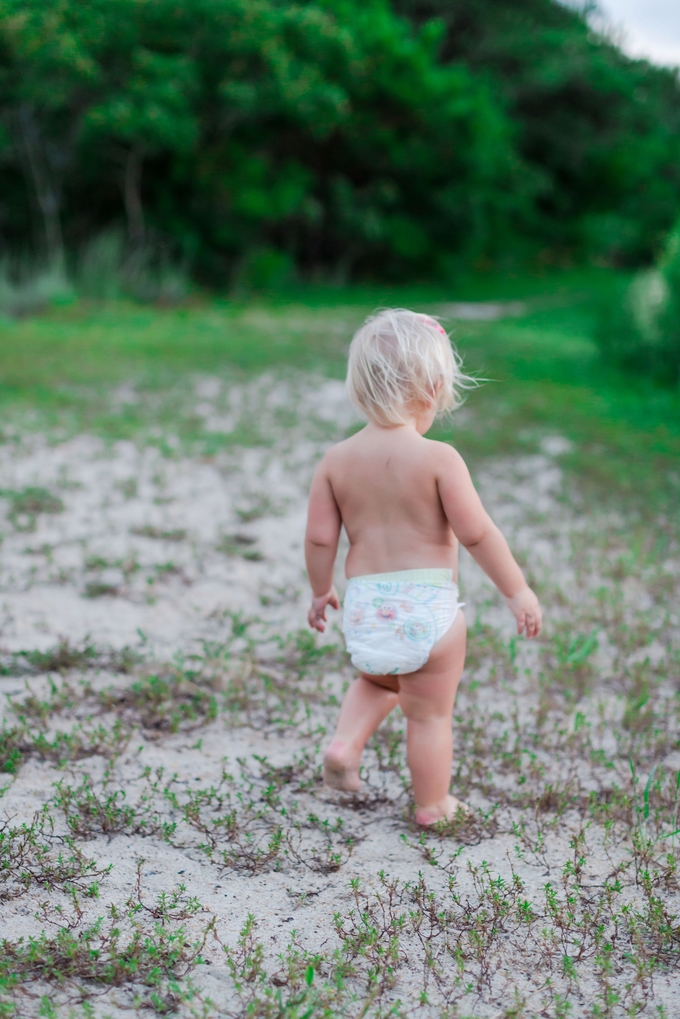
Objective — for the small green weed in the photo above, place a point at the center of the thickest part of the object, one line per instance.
(158, 534)
(144, 950)
(31, 854)
(239, 545)
(96, 589)
(27, 504)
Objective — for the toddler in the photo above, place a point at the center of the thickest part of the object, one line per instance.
(405, 503)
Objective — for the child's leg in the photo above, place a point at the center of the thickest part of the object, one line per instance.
(426, 697)
(364, 707)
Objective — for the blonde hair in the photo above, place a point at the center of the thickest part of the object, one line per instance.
(399, 359)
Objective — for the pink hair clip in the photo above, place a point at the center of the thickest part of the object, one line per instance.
(437, 326)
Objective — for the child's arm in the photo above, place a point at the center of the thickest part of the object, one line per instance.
(321, 546)
(475, 529)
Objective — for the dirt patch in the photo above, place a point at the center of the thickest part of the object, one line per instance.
(167, 842)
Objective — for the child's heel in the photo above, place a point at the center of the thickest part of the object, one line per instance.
(338, 773)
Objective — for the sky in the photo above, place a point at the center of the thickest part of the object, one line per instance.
(645, 28)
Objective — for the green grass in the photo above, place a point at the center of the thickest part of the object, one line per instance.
(92, 344)
(543, 372)
(544, 378)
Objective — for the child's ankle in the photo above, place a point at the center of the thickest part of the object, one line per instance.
(339, 750)
(431, 813)
(442, 810)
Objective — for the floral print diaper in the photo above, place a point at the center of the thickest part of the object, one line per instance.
(391, 621)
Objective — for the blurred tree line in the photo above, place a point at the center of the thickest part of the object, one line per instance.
(342, 138)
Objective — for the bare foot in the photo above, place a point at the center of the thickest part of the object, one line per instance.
(445, 810)
(340, 768)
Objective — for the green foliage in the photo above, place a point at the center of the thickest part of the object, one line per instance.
(258, 139)
(599, 131)
(640, 331)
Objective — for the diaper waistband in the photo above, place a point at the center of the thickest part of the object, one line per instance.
(434, 577)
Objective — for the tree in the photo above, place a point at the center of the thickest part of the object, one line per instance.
(344, 137)
(146, 104)
(45, 75)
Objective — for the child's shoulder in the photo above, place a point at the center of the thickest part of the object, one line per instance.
(442, 455)
(336, 453)
(345, 446)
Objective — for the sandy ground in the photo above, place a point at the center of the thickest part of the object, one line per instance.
(164, 558)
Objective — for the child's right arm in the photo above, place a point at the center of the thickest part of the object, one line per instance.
(321, 546)
(477, 532)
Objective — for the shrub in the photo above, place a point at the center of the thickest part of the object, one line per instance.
(108, 269)
(640, 330)
(26, 288)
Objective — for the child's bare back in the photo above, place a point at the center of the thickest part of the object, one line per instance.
(405, 502)
(384, 482)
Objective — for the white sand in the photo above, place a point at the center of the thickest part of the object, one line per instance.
(169, 596)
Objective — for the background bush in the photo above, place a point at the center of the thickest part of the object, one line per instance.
(254, 140)
(641, 330)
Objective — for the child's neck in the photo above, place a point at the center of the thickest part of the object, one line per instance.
(419, 424)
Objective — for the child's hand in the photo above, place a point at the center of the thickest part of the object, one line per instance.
(317, 613)
(527, 611)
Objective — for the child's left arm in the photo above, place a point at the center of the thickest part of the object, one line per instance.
(477, 532)
(324, 524)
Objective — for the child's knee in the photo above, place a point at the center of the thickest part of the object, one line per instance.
(423, 711)
(427, 700)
